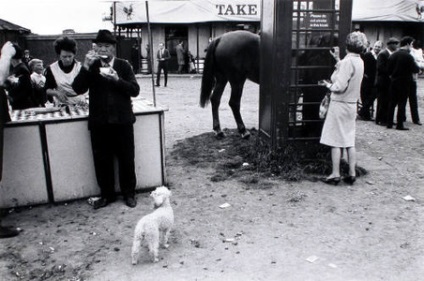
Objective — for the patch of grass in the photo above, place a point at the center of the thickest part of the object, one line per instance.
(252, 159)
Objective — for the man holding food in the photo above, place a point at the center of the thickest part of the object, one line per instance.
(111, 83)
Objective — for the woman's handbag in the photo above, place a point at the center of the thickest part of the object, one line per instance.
(325, 103)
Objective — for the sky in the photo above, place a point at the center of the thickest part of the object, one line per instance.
(48, 17)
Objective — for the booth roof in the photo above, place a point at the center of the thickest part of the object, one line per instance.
(5, 25)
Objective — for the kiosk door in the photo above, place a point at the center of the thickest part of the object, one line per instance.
(295, 42)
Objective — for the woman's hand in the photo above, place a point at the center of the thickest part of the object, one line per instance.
(324, 83)
(335, 52)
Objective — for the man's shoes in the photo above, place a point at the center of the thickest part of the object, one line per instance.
(7, 232)
(131, 202)
(101, 203)
(402, 128)
(157, 85)
(418, 123)
(389, 126)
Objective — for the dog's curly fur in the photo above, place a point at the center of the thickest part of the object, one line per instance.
(154, 225)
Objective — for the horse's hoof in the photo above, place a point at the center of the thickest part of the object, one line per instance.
(245, 135)
(219, 135)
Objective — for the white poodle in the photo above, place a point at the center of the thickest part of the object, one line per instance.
(152, 225)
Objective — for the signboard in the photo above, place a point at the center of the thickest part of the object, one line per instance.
(317, 21)
(187, 11)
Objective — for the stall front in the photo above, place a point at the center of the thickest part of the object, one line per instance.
(48, 157)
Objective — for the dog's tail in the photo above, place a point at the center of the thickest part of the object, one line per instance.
(208, 77)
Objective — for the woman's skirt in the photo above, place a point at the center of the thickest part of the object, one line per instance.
(340, 125)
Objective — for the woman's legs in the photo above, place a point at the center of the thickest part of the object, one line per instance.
(335, 159)
(351, 154)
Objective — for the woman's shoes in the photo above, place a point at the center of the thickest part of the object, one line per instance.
(349, 179)
(333, 181)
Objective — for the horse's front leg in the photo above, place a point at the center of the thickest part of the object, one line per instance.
(235, 100)
(215, 102)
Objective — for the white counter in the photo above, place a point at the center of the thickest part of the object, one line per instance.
(48, 156)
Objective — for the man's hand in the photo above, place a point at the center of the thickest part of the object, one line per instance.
(8, 50)
(111, 74)
(90, 58)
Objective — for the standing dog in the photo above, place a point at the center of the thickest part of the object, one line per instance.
(150, 227)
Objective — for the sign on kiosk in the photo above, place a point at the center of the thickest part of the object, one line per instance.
(317, 21)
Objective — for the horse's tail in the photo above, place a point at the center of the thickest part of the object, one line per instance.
(208, 77)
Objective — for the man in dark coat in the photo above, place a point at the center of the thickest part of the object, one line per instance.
(368, 88)
(111, 83)
(383, 81)
(162, 56)
(401, 66)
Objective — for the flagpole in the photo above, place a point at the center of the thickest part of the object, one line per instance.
(151, 52)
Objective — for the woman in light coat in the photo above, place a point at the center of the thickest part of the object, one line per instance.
(339, 127)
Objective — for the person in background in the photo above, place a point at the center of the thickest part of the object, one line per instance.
(383, 81)
(135, 58)
(400, 67)
(7, 52)
(112, 83)
(417, 54)
(61, 74)
(149, 59)
(27, 58)
(339, 127)
(368, 87)
(38, 81)
(192, 62)
(18, 85)
(181, 56)
(162, 56)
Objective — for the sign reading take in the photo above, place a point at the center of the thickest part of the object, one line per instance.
(237, 10)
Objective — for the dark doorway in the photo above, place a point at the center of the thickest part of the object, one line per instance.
(173, 35)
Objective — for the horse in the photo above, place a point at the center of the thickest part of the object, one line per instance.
(233, 57)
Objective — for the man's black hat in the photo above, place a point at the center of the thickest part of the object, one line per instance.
(105, 36)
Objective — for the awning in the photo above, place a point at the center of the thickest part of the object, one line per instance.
(187, 11)
(200, 11)
(386, 10)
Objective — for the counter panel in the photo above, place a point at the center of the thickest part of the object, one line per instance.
(71, 160)
(24, 178)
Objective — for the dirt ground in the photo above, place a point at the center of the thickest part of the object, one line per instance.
(272, 229)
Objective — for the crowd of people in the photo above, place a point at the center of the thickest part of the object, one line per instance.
(108, 82)
(390, 77)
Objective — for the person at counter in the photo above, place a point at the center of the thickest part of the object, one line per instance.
(111, 83)
(7, 52)
(18, 85)
(38, 81)
(61, 74)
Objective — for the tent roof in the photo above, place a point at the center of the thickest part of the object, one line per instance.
(200, 11)
(386, 10)
(187, 11)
